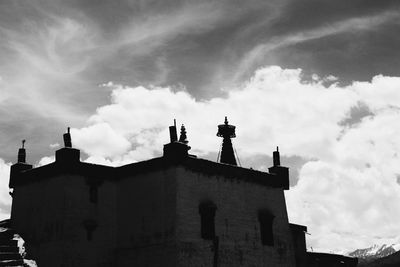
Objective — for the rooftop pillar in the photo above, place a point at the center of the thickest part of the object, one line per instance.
(67, 154)
(280, 171)
(19, 167)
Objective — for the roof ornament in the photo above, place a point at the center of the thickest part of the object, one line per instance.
(227, 153)
(183, 136)
(22, 153)
(67, 138)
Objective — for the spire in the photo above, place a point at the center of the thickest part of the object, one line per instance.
(67, 139)
(227, 132)
(183, 137)
(276, 157)
(22, 153)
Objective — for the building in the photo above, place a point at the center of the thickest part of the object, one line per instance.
(175, 210)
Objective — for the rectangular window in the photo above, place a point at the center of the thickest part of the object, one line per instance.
(266, 220)
(93, 193)
(207, 214)
(90, 226)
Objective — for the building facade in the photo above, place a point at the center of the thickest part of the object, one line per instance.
(175, 210)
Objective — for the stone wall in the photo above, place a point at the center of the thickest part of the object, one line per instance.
(146, 219)
(236, 222)
(150, 217)
(52, 216)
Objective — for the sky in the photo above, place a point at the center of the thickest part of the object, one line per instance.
(318, 78)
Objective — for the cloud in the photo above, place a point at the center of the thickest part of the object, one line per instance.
(101, 140)
(5, 198)
(45, 161)
(347, 172)
(55, 53)
(255, 56)
(56, 145)
(352, 201)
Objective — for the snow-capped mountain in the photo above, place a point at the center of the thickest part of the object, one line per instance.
(374, 252)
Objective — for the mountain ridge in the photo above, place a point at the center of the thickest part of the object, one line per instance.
(366, 256)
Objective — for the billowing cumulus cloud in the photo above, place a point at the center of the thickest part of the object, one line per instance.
(54, 54)
(341, 143)
(5, 198)
(347, 190)
(198, 62)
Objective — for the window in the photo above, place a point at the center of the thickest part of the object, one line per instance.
(93, 193)
(90, 225)
(207, 214)
(266, 220)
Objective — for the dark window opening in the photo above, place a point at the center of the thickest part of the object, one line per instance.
(207, 213)
(93, 193)
(266, 220)
(90, 226)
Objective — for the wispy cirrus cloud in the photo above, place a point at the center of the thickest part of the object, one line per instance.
(255, 56)
(202, 59)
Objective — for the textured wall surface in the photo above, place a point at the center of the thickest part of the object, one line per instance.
(146, 219)
(51, 216)
(150, 218)
(236, 222)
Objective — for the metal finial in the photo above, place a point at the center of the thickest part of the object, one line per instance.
(183, 137)
(277, 149)
(23, 143)
(227, 132)
(68, 130)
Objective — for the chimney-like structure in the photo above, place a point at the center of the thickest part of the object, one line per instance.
(19, 167)
(276, 157)
(67, 154)
(226, 131)
(172, 133)
(22, 153)
(176, 150)
(280, 171)
(67, 139)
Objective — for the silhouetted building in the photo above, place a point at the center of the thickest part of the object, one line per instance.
(175, 210)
